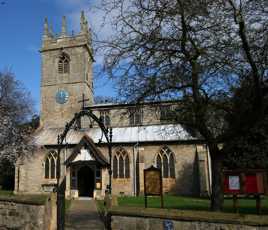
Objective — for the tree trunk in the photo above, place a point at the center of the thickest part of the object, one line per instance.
(216, 202)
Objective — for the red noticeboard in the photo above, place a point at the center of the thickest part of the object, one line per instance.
(244, 182)
(251, 184)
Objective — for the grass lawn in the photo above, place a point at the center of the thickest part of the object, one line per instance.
(6, 193)
(246, 206)
(67, 205)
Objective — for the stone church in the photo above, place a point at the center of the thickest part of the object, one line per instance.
(142, 135)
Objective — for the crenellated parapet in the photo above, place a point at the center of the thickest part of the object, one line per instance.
(53, 41)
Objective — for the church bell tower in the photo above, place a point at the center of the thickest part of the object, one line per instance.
(66, 73)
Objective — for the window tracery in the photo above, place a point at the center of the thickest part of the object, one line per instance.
(121, 164)
(50, 165)
(166, 162)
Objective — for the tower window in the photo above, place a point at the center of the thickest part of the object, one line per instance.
(166, 162)
(50, 165)
(64, 64)
(121, 164)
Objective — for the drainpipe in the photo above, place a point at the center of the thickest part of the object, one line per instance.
(135, 147)
(209, 170)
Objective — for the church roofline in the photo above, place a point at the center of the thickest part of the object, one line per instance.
(133, 134)
(108, 105)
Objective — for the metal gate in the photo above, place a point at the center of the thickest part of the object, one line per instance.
(61, 205)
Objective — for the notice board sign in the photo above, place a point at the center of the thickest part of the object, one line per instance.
(153, 185)
(250, 182)
(244, 182)
(232, 184)
(152, 182)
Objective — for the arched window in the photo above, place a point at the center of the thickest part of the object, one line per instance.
(121, 167)
(50, 165)
(64, 64)
(166, 162)
(171, 166)
(115, 167)
(127, 166)
(121, 164)
(159, 162)
(165, 166)
(47, 168)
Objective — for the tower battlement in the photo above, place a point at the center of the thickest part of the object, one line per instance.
(64, 39)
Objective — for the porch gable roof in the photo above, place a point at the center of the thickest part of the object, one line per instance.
(96, 153)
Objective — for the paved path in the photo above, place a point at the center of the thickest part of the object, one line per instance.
(83, 215)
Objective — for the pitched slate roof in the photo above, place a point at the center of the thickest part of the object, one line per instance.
(150, 133)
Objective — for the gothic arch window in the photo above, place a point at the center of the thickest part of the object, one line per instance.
(121, 164)
(64, 64)
(127, 167)
(50, 165)
(115, 167)
(166, 162)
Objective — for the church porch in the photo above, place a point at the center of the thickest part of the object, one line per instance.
(86, 171)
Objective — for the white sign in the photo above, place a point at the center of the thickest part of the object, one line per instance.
(234, 183)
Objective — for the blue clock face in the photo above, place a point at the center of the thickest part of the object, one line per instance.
(62, 96)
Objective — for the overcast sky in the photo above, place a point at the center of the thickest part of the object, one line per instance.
(21, 23)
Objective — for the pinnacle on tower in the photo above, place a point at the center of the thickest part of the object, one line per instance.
(82, 17)
(46, 32)
(83, 23)
(63, 27)
(51, 31)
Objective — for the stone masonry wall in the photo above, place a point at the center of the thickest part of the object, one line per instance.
(17, 216)
(120, 115)
(138, 218)
(140, 223)
(186, 180)
(30, 172)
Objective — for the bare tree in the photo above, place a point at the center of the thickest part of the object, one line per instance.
(16, 108)
(194, 51)
(105, 99)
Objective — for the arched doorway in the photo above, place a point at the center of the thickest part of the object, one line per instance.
(86, 182)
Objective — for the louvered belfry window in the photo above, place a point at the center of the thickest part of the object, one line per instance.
(121, 164)
(166, 162)
(64, 64)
